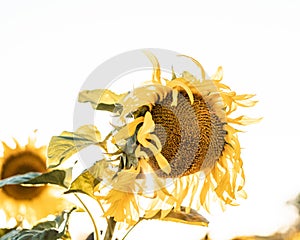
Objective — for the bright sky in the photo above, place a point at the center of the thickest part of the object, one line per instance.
(48, 49)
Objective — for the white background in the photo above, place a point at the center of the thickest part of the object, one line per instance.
(48, 49)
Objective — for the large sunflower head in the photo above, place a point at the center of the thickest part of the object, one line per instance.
(23, 204)
(178, 130)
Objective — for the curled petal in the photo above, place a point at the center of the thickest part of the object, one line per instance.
(163, 163)
(156, 141)
(198, 64)
(180, 82)
(128, 130)
(140, 154)
(243, 120)
(218, 76)
(243, 96)
(142, 96)
(146, 129)
(156, 67)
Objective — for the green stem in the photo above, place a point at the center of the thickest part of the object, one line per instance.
(130, 230)
(111, 224)
(91, 216)
(106, 218)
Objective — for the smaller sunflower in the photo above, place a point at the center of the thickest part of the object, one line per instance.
(27, 204)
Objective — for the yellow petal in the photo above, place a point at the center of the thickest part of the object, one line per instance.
(246, 103)
(221, 85)
(156, 141)
(161, 160)
(243, 120)
(156, 67)
(204, 190)
(183, 193)
(218, 76)
(145, 166)
(198, 64)
(174, 97)
(146, 95)
(180, 82)
(128, 130)
(140, 154)
(145, 130)
(148, 125)
(242, 194)
(163, 163)
(243, 96)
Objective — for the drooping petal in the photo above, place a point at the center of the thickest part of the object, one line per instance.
(147, 127)
(180, 82)
(163, 163)
(141, 154)
(198, 64)
(128, 130)
(243, 120)
(156, 140)
(218, 76)
(156, 67)
(146, 95)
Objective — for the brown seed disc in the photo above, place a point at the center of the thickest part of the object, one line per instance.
(21, 163)
(192, 136)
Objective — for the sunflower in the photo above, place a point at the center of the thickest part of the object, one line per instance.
(178, 144)
(23, 204)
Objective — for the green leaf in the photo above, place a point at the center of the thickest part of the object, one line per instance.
(192, 217)
(18, 179)
(9, 235)
(100, 169)
(37, 234)
(68, 143)
(55, 229)
(101, 99)
(108, 107)
(84, 183)
(57, 177)
(4, 231)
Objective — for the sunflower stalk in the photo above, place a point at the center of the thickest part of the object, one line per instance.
(111, 225)
(90, 215)
(129, 231)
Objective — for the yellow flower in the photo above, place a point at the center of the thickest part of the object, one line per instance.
(180, 130)
(121, 199)
(27, 204)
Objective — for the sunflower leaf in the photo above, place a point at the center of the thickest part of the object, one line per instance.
(55, 229)
(192, 217)
(18, 179)
(56, 177)
(68, 143)
(84, 183)
(9, 235)
(6, 231)
(101, 99)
